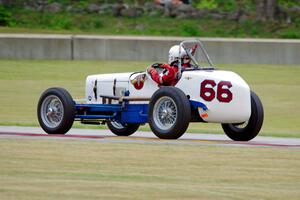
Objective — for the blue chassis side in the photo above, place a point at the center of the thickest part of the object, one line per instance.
(122, 112)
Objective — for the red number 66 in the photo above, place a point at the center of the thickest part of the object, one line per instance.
(208, 93)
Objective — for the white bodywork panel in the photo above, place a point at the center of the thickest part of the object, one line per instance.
(238, 109)
(105, 86)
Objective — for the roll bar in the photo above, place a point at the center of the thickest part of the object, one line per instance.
(197, 42)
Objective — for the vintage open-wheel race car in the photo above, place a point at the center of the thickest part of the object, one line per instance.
(124, 101)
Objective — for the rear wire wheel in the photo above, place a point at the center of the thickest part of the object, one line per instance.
(247, 130)
(56, 111)
(121, 129)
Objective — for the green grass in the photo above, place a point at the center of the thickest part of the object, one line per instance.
(39, 169)
(35, 22)
(22, 82)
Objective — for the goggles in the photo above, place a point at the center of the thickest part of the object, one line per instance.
(186, 59)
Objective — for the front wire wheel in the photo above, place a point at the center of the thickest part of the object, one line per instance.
(169, 113)
(165, 113)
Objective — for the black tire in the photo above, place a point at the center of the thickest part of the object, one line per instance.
(120, 129)
(169, 104)
(56, 111)
(248, 130)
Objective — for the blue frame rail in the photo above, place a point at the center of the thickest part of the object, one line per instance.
(123, 112)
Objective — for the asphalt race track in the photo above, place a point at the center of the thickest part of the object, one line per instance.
(145, 138)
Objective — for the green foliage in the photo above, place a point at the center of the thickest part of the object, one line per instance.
(79, 22)
(189, 29)
(207, 4)
(227, 6)
(290, 34)
(90, 24)
(289, 3)
(5, 17)
(55, 21)
(59, 21)
(81, 4)
(224, 6)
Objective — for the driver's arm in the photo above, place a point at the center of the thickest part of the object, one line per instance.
(154, 75)
(163, 78)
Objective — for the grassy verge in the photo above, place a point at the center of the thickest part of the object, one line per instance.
(22, 82)
(35, 22)
(91, 170)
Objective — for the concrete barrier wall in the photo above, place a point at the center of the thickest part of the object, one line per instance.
(122, 48)
(227, 51)
(20, 46)
(253, 51)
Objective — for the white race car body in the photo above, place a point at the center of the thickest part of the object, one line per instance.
(222, 96)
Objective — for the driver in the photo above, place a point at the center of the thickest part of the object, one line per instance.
(167, 74)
